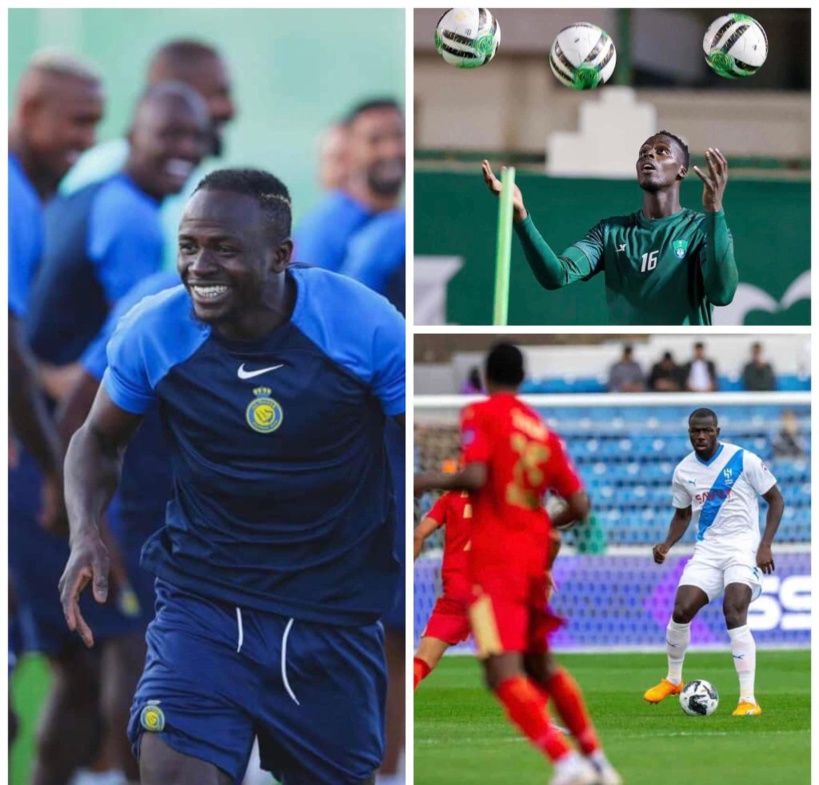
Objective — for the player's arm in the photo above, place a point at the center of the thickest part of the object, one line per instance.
(679, 523)
(32, 425)
(93, 467)
(776, 506)
(719, 268)
(422, 531)
(471, 478)
(579, 262)
(577, 508)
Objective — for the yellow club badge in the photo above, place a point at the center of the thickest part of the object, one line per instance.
(263, 414)
(152, 718)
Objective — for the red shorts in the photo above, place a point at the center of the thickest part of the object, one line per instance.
(448, 621)
(517, 620)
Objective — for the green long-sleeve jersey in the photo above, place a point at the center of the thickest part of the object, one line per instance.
(671, 270)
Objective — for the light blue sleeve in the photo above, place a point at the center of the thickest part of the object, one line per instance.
(148, 342)
(371, 346)
(94, 358)
(377, 251)
(124, 240)
(25, 241)
(95, 165)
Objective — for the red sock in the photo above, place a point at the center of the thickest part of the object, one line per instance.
(420, 670)
(526, 709)
(569, 704)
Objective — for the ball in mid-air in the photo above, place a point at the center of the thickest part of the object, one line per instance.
(735, 46)
(699, 698)
(467, 37)
(582, 56)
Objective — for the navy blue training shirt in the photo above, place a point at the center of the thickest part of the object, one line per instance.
(282, 494)
(100, 242)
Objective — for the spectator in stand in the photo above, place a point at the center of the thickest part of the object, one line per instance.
(789, 443)
(700, 374)
(758, 375)
(472, 384)
(626, 375)
(665, 375)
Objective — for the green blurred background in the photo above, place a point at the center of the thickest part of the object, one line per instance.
(293, 71)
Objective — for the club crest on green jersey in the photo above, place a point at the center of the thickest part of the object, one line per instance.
(680, 247)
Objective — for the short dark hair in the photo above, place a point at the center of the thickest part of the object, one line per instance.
(680, 143)
(699, 345)
(702, 413)
(369, 105)
(504, 365)
(270, 193)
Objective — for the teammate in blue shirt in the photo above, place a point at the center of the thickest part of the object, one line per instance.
(373, 184)
(107, 237)
(277, 556)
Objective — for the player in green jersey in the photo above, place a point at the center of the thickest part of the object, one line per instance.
(664, 264)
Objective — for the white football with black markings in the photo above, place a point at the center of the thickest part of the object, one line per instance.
(583, 56)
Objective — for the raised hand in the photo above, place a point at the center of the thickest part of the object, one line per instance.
(494, 185)
(715, 181)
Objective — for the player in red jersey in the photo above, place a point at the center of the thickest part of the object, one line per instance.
(511, 459)
(449, 622)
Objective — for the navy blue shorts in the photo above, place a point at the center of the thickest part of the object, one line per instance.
(217, 676)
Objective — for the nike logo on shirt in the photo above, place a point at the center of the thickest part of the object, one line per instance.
(243, 374)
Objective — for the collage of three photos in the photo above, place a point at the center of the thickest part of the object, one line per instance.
(582, 234)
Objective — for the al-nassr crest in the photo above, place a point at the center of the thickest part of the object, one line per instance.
(263, 414)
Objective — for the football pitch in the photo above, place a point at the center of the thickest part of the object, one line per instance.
(462, 736)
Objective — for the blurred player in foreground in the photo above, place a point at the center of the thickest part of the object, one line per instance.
(511, 459)
(717, 484)
(276, 560)
(664, 264)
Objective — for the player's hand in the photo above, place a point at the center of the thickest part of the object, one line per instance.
(53, 517)
(423, 482)
(88, 563)
(764, 559)
(659, 552)
(715, 181)
(494, 185)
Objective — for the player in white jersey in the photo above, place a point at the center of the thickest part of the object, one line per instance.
(717, 485)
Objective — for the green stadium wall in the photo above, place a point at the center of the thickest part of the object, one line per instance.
(456, 216)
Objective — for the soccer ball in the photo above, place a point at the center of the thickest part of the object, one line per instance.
(582, 56)
(467, 37)
(699, 698)
(735, 46)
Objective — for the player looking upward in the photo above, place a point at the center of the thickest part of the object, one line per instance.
(511, 459)
(276, 558)
(664, 264)
(717, 485)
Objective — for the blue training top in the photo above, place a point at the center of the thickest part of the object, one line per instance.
(282, 496)
(100, 242)
(25, 236)
(322, 235)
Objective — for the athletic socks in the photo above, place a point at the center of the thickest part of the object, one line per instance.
(420, 670)
(677, 638)
(570, 706)
(526, 708)
(743, 647)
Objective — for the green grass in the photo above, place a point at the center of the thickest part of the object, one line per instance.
(28, 688)
(462, 736)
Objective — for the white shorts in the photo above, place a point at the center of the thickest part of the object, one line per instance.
(712, 570)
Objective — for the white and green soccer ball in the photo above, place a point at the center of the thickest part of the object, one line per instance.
(735, 46)
(582, 56)
(467, 37)
(699, 698)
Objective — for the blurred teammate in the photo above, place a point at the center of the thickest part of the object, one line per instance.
(511, 459)
(276, 559)
(107, 237)
(717, 484)
(373, 185)
(664, 264)
(332, 157)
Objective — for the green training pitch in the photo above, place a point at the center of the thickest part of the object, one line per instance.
(462, 736)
